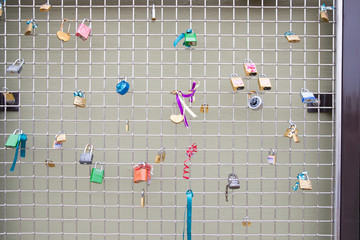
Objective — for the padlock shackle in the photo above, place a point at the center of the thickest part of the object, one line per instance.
(251, 92)
(62, 25)
(246, 219)
(248, 60)
(262, 75)
(123, 78)
(161, 151)
(5, 90)
(22, 61)
(100, 163)
(85, 19)
(234, 75)
(306, 175)
(304, 90)
(59, 133)
(17, 130)
(89, 147)
(272, 151)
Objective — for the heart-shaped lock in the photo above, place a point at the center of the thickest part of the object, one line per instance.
(176, 118)
(123, 86)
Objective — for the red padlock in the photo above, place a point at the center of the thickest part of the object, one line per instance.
(83, 31)
(142, 172)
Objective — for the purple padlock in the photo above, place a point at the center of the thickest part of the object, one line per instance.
(83, 31)
(123, 86)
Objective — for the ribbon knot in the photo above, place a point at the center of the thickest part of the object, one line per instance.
(35, 25)
(181, 36)
(78, 94)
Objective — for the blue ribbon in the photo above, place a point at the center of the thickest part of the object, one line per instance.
(35, 25)
(300, 176)
(190, 195)
(79, 94)
(22, 143)
(181, 36)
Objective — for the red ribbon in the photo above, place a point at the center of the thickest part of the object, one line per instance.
(192, 149)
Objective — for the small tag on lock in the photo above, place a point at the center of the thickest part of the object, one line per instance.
(160, 157)
(295, 135)
(246, 222)
(272, 157)
(49, 163)
(57, 145)
(204, 108)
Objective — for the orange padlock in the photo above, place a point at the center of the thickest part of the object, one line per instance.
(140, 175)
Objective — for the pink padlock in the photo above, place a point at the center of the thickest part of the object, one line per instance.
(83, 31)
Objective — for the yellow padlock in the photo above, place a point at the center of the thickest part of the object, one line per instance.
(60, 34)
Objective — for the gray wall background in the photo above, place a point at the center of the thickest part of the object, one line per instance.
(60, 203)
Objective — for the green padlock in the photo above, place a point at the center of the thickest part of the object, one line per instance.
(190, 39)
(97, 175)
(13, 139)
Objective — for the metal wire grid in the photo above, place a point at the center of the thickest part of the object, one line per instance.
(213, 218)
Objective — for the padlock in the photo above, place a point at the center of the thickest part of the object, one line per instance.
(153, 16)
(9, 97)
(16, 67)
(288, 133)
(61, 137)
(264, 82)
(29, 27)
(246, 221)
(160, 157)
(236, 82)
(142, 198)
(79, 99)
(45, 7)
(87, 157)
(272, 157)
(233, 183)
(57, 145)
(295, 135)
(250, 68)
(60, 34)
(83, 31)
(97, 175)
(190, 38)
(13, 139)
(127, 126)
(123, 86)
(176, 118)
(307, 96)
(49, 163)
(304, 181)
(291, 37)
(204, 108)
(324, 16)
(323, 12)
(254, 102)
(140, 175)
(1, 9)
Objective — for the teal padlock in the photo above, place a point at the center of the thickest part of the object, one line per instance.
(97, 174)
(13, 139)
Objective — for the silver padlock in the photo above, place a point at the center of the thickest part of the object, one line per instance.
(16, 67)
(254, 102)
(307, 96)
(233, 183)
(87, 157)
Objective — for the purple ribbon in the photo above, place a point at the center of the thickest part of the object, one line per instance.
(190, 95)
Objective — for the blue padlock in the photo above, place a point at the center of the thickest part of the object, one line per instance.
(123, 86)
(307, 96)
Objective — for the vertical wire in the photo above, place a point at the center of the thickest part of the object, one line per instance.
(219, 117)
(276, 111)
(290, 106)
(204, 138)
(19, 122)
(233, 115)
(33, 115)
(132, 112)
(147, 108)
(247, 116)
(304, 126)
(118, 117)
(190, 71)
(262, 123)
(176, 128)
